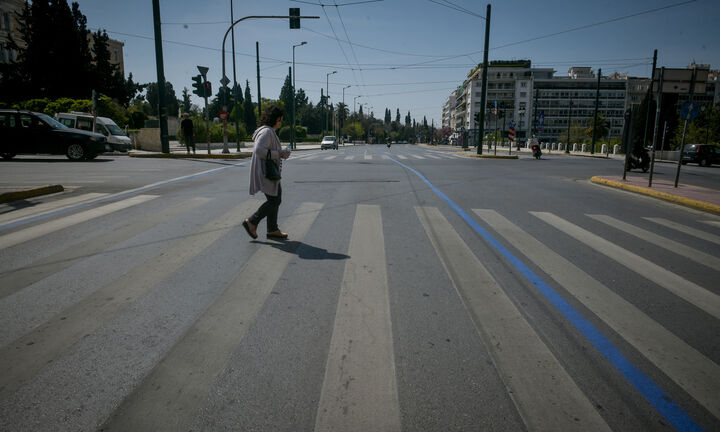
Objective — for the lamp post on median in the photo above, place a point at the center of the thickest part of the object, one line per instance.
(327, 96)
(342, 117)
(567, 147)
(293, 145)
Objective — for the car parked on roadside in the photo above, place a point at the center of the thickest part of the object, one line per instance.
(117, 139)
(701, 154)
(329, 142)
(28, 132)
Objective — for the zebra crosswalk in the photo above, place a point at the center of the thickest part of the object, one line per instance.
(369, 156)
(361, 384)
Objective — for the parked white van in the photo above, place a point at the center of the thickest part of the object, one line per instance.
(116, 138)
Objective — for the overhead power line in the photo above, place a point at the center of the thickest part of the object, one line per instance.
(343, 4)
(451, 5)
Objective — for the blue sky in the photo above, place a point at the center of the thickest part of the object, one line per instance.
(389, 35)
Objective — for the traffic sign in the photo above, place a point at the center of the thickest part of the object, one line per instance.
(689, 110)
(225, 81)
(223, 115)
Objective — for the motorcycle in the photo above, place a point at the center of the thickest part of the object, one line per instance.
(639, 159)
(388, 144)
(536, 151)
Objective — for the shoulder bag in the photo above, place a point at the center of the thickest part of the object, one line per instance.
(271, 169)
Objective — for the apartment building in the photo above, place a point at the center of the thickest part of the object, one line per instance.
(9, 28)
(448, 111)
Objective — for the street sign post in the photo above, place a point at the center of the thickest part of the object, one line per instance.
(203, 71)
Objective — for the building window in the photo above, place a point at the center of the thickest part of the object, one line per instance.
(116, 55)
(523, 94)
(523, 84)
(2, 56)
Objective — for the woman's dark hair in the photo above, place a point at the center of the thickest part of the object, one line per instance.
(271, 114)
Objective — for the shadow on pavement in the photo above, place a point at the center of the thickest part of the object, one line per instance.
(304, 251)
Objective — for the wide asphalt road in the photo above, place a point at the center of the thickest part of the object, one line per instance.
(418, 291)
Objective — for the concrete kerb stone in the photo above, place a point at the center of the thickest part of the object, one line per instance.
(189, 156)
(29, 193)
(687, 202)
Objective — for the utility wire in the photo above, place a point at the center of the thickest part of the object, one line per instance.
(451, 5)
(344, 4)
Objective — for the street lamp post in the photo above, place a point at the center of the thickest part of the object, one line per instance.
(293, 145)
(354, 99)
(327, 96)
(341, 118)
(567, 147)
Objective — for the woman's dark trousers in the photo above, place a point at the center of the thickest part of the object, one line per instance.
(268, 209)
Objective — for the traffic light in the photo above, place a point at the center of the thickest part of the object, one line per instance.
(294, 18)
(198, 85)
(477, 118)
(208, 89)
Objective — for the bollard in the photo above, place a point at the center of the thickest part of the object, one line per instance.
(604, 149)
(574, 147)
(616, 149)
(584, 148)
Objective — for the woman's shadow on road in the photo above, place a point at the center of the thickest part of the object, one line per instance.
(304, 250)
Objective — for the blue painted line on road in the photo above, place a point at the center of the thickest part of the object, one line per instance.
(118, 196)
(656, 396)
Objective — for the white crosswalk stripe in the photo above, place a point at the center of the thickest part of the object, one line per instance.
(330, 157)
(36, 231)
(697, 374)
(433, 156)
(401, 157)
(712, 223)
(686, 229)
(691, 292)
(537, 380)
(417, 156)
(665, 243)
(350, 157)
(167, 399)
(368, 156)
(27, 355)
(359, 390)
(46, 207)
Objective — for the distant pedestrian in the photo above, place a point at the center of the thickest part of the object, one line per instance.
(267, 145)
(188, 132)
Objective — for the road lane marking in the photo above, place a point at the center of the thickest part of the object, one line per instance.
(46, 207)
(124, 194)
(359, 391)
(401, 157)
(644, 385)
(686, 229)
(689, 291)
(330, 157)
(417, 156)
(27, 355)
(695, 373)
(433, 156)
(15, 280)
(368, 156)
(546, 397)
(665, 243)
(36, 231)
(170, 396)
(351, 157)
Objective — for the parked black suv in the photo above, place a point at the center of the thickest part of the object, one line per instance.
(31, 132)
(701, 154)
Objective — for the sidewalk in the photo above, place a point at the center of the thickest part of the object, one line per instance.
(695, 197)
(178, 151)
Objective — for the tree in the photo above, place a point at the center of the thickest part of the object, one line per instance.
(249, 109)
(286, 97)
(601, 128)
(186, 104)
(705, 129)
(397, 117)
(388, 116)
(172, 104)
(107, 78)
(354, 130)
(408, 119)
(55, 61)
(301, 99)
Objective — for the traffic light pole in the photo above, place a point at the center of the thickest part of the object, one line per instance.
(162, 109)
(232, 26)
(481, 126)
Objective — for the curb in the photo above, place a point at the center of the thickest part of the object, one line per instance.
(687, 202)
(29, 193)
(188, 156)
(483, 156)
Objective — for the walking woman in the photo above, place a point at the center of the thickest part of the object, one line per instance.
(267, 145)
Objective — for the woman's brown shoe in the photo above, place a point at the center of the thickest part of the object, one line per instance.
(251, 230)
(277, 235)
